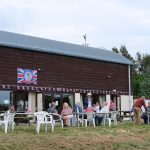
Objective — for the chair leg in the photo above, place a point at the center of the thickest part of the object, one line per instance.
(104, 121)
(81, 122)
(109, 121)
(6, 126)
(52, 128)
(2, 126)
(38, 128)
(46, 127)
(54, 123)
(94, 122)
(85, 123)
(12, 126)
(62, 124)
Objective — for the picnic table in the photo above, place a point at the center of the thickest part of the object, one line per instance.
(24, 117)
(125, 115)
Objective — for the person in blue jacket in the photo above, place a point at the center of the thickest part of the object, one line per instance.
(88, 102)
(78, 108)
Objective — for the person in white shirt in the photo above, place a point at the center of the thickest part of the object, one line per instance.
(105, 108)
(99, 117)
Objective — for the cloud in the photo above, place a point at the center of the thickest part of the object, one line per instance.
(106, 23)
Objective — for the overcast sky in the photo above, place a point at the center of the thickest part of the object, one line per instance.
(107, 23)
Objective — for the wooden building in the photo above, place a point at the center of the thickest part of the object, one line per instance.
(36, 71)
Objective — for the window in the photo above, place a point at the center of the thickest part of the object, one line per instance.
(5, 100)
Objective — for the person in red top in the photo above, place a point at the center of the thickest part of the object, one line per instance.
(137, 109)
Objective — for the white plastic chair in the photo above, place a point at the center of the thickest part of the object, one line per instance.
(70, 120)
(43, 118)
(90, 118)
(114, 117)
(59, 119)
(8, 121)
(75, 120)
(79, 119)
(106, 118)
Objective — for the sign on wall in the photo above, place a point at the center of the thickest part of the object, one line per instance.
(26, 76)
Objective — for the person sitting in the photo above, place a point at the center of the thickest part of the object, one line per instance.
(99, 117)
(53, 108)
(78, 108)
(78, 111)
(49, 108)
(66, 114)
(112, 106)
(97, 107)
(144, 115)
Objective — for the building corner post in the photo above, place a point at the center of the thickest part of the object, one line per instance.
(129, 82)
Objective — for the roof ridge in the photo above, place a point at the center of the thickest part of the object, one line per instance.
(58, 47)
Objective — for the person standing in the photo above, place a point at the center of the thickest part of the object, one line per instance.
(137, 109)
(88, 103)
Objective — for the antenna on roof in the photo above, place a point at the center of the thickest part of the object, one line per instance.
(85, 37)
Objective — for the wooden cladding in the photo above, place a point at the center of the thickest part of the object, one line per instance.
(63, 71)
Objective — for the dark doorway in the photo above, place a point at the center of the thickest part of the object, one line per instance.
(20, 100)
(46, 101)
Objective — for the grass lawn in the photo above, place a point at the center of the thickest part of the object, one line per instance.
(124, 136)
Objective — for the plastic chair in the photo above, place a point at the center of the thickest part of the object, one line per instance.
(8, 121)
(114, 117)
(70, 120)
(90, 119)
(57, 118)
(79, 118)
(43, 118)
(106, 118)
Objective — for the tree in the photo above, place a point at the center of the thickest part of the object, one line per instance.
(140, 72)
(138, 63)
(146, 64)
(145, 86)
(124, 52)
(114, 49)
(137, 79)
(141, 78)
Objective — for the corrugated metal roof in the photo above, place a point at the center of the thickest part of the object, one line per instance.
(50, 46)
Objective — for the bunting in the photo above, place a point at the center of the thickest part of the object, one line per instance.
(59, 89)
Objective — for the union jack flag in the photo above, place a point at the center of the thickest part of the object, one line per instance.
(26, 76)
